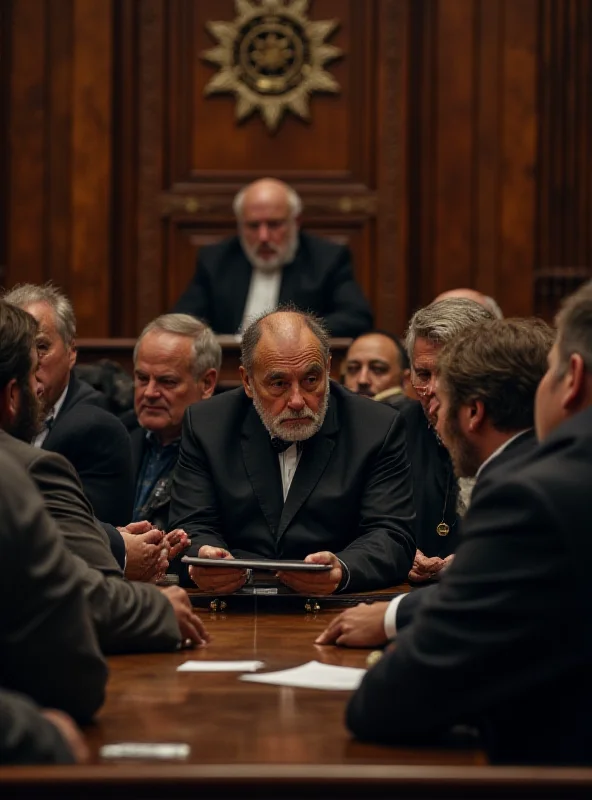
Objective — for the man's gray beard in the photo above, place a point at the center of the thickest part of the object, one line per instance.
(277, 261)
(298, 433)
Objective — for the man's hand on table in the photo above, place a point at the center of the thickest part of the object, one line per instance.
(424, 568)
(69, 732)
(361, 626)
(147, 551)
(192, 628)
(315, 582)
(217, 580)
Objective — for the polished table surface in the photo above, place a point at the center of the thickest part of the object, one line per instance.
(250, 739)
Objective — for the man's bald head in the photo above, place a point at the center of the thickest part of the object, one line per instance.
(477, 297)
(283, 330)
(267, 212)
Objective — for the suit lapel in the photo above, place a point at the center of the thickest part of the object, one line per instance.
(313, 461)
(262, 468)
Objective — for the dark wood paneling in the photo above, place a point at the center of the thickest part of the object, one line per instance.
(564, 208)
(456, 153)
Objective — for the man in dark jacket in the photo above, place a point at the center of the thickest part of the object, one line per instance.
(270, 263)
(76, 424)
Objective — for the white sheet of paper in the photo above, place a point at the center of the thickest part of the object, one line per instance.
(312, 675)
(220, 666)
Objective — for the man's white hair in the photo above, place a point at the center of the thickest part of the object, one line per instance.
(294, 201)
(207, 353)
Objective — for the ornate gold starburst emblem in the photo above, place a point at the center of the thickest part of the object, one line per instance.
(272, 58)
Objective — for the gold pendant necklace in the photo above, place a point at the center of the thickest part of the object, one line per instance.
(442, 528)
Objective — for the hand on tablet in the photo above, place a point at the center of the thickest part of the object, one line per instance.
(315, 582)
(219, 581)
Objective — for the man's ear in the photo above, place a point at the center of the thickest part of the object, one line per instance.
(209, 379)
(9, 402)
(72, 355)
(246, 382)
(574, 382)
(477, 415)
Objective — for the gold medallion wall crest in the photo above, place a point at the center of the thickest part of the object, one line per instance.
(272, 58)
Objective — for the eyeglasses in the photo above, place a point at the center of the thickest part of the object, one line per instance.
(422, 386)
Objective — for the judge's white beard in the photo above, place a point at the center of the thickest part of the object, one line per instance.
(282, 255)
(311, 422)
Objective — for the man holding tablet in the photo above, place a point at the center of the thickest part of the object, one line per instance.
(292, 466)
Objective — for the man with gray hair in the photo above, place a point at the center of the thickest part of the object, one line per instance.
(176, 363)
(272, 262)
(76, 424)
(440, 500)
(294, 466)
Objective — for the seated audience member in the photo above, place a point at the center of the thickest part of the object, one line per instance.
(294, 466)
(485, 393)
(439, 499)
(376, 365)
(176, 363)
(51, 671)
(271, 262)
(505, 640)
(472, 294)
(76, 422)
(128, 616)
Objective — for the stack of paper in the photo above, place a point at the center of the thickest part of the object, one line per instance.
(312, 675)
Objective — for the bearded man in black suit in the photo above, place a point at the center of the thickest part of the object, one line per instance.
(293, 466)
(504, 641)
(271, 262)
(489, 373)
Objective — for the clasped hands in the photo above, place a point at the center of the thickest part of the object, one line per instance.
(149, 550)
(225, 581)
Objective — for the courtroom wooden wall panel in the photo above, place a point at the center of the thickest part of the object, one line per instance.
(457, 151)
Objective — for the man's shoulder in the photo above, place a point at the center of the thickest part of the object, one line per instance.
(361, 411)
(223, 406)
(83, 418)
(81, 393)
(33, 458)
(558, 471)
(213, 254)
(320, 247)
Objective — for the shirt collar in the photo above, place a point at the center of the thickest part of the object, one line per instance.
(499, 450)
(154, 443)
(55, 409)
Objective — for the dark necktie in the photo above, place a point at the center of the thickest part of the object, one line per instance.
(279, 445)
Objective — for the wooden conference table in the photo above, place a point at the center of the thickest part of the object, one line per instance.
(256, 740)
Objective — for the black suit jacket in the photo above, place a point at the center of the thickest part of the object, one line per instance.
(98, 447)
(510, 456)
(319, 279)
(351, 493)
(156, 508)
(505, 639)
(48, 647)
(435, 490)
(128, 616)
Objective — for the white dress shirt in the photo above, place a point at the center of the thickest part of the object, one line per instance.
(390, 615)
(51, 414)
(264, 293)
(288, 462)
